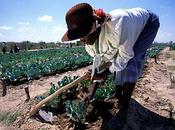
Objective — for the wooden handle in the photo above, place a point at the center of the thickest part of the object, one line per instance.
(105, 66)
(56, 93)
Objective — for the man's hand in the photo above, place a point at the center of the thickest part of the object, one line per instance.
(91, 91)
(105, 65)
(102, 75)
(88, 74)
(97, 75)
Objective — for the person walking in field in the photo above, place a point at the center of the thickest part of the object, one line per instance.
(119, 39)
(4, 49)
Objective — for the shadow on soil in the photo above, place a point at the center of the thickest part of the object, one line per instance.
(139, 118)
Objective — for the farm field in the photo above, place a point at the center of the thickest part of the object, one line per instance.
(152, 105)
(35, 64)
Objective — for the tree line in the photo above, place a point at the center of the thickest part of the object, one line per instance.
(14, 47)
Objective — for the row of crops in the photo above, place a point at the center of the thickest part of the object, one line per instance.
(34, 64)
(172, 46)
(72, 105)
(155, 49)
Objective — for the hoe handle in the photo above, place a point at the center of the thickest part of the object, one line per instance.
(56, 93)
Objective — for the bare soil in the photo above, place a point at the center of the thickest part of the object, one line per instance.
(152, 106)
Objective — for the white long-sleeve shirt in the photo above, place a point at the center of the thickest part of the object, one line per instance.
(118, 36)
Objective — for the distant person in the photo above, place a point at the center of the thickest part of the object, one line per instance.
(120, 39)
(4, 49)
(70, 45)
(11, 50)
(16, 48)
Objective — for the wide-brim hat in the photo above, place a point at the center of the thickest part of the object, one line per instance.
(79, 20)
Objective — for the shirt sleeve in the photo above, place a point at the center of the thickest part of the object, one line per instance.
(126, 43)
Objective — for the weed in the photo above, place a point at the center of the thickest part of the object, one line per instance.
(8, 118)
(167, 55)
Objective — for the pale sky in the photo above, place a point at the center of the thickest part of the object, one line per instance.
(44, 20)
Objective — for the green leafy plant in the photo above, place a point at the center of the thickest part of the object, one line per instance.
(62, 82)
(31, 65)
(76, 111)
(105, 91)
(8, 118)
(154, 50)
(76, 108)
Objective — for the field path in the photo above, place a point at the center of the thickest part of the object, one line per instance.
(153, 101)
(15, 98)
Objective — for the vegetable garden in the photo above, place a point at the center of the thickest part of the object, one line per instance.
(34, 64)
(69, 106)
(72, 103)
(31, 65)
(155, 49)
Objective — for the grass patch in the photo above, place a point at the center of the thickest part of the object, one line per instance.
(42, 129)
(8, 118)
(167, 55)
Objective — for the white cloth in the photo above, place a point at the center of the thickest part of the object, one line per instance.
(117, 37)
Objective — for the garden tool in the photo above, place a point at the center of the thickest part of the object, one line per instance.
(97, 68)
(92, 89)
(56, 93)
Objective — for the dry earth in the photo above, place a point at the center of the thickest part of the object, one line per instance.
(151, 108)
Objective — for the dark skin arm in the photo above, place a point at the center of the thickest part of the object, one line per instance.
(91, 91)
(104, 73)
(89, 39)
(93, 86)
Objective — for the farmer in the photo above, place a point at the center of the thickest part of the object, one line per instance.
(119, 39)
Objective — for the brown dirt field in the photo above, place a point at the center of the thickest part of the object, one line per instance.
(152, 106)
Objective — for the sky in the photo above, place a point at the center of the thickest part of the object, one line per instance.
(44, 20)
